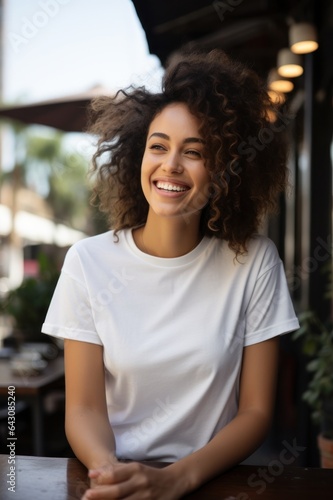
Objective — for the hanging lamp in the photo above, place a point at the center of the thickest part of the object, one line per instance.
(289, 64)
(303, 38)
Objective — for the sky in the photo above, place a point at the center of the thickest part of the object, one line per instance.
(53, 48)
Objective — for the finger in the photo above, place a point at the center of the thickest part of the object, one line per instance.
(115, 475)
(101, 476)
(93, 474)
(108, 492)
(125, 483)
(126, 471)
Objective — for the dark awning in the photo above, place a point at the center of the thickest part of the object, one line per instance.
(68, 113)
(250, 31)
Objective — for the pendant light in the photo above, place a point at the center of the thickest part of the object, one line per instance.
(289, 64)
(278, 83)
(303, 38)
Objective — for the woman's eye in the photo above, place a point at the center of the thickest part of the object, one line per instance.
(193, 152)
(158, 147)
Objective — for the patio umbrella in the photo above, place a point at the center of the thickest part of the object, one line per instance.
(67, 113)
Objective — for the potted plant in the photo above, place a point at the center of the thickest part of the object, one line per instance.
(27, 304)
(317, 344)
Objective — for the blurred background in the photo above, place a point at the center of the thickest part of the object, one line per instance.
(55, 55)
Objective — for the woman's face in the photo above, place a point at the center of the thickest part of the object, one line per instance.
(174, 178)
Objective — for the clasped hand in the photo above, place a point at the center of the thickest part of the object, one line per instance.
(133, 481)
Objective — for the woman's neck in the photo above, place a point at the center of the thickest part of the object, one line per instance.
(167, 237)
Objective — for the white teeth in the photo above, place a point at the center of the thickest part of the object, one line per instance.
(169, 187)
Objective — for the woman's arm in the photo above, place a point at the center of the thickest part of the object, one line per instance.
(231, 445)
(87, 426)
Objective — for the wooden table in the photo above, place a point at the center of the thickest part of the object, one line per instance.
(33, 390)
(44, 478)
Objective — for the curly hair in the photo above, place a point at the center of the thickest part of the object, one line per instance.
(245, 151)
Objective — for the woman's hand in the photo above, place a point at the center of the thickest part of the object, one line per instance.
(133, 481)
(98, 471)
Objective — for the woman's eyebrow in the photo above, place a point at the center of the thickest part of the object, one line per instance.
(159, 134)
(193, 139)
(166, 137)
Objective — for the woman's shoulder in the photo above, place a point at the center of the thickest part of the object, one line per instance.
(106, 240)
(97, 246)
(263, 251)
(258, 247)
(261, 243)
(92, 241)
(99, 252)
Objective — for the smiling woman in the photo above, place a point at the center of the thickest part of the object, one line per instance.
(231, 106)
(171, 318)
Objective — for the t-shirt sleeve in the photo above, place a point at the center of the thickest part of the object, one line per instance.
(270, 311)
(70, 313)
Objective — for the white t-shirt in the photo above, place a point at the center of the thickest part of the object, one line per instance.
(173, 331)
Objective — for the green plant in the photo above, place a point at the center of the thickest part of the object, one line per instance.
(28, 303)
(317, 344)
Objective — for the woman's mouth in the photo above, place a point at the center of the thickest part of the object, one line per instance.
(170, 186)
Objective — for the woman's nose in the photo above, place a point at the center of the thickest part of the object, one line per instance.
(172, 164)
